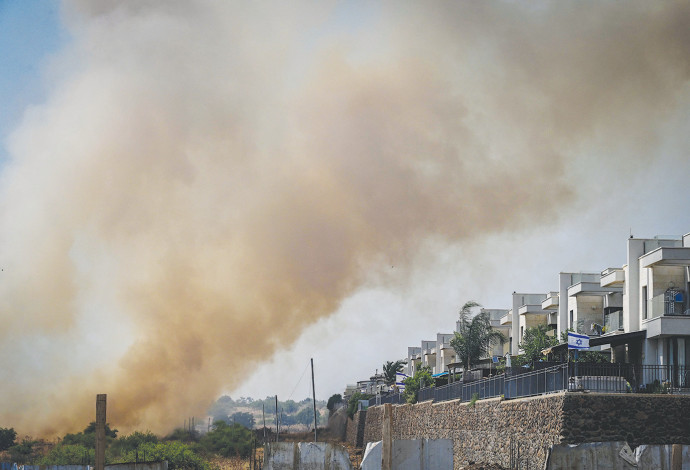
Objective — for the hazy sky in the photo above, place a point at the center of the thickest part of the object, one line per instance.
(196, 197)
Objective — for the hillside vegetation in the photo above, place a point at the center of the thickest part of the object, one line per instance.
(292, 415)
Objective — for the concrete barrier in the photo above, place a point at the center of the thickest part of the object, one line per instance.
(412, 454)
(613, 456)
(306, 456)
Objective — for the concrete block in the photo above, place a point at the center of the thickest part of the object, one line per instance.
(281, 456)
(438, 454)
(407, 454)
(322, 456)
(372, 456)
(412, 454)
(306, 456)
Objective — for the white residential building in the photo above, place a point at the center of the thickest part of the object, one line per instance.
(429, 355)
(654, 283)
(527, 312)
(445, 353)
(414, 360)
(495, 317)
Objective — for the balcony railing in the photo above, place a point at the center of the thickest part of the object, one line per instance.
(613, 321)
(574, 376)
(663, 304)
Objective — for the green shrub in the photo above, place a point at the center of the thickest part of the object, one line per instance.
(421, 378)
(353, 402)
(228, 440)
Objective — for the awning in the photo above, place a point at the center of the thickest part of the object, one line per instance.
(613, 340)
(617, 340)
(442, 374)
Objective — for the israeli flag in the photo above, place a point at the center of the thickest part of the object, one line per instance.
(400, 380)
(577, 341)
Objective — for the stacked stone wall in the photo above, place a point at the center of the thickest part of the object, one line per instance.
(637, 419)
(355, 429)
(490, 430)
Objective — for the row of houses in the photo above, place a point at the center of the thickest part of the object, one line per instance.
(638, 313)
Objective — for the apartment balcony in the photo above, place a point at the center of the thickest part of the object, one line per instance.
(550, 302)
(668, 305)
(591, 288)
(613, 321)
(666, 256)
(533, 309)
(612, 277)
(552, 319)
(667, 315)
(664, 326)
(507, 319)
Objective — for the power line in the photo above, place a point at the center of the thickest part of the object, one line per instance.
(300, 379)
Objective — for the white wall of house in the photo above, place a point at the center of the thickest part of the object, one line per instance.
(445, 354)
(518, 324)
(429, 354)
(413, 360)
(587, 309)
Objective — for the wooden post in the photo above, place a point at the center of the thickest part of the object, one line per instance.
(387, 438)
(676, 457)
(100, 431)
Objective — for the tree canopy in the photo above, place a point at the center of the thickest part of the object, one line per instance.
(332, 401)
(242, 418)
(7, 437)
(390, 370)
(475, 338)
(534, 340)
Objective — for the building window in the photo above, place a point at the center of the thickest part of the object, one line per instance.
(644, 302)
(572, 319)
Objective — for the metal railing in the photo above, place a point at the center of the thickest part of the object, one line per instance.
(484, 388)
(573, 376)
(661, 305)
(538, 382)
(613, 321)
(394, 398)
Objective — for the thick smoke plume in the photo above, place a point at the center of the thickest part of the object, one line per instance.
(209, 177)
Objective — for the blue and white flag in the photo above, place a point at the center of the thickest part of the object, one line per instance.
(577, 341)
(400, 380)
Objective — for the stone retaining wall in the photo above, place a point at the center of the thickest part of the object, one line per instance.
(356, 429)
(637, 419)
(485, 432)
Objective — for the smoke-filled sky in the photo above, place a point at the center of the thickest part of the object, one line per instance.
(198, 196)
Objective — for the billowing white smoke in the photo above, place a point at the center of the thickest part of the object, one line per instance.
(209, 177)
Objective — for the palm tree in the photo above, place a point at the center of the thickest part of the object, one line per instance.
(390, 370)
(475, 338)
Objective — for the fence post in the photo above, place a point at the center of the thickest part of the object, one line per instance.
(387, 438)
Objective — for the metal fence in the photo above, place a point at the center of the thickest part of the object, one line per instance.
(394, 398)
(574, 376)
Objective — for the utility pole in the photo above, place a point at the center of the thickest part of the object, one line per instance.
(313, 396)
(277, 418)
(263, 414)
